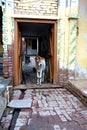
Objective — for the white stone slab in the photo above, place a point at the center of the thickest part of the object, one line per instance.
(25, 103)
(84, 92)
(2, 86)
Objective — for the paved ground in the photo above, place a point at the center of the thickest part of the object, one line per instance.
(52, 109)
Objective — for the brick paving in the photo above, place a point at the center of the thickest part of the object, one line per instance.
(52, 109)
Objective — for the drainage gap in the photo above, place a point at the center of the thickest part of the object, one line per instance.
(14, 118)
(16, 113)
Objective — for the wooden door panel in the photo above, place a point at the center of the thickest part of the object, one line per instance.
(51, 55)
(15, 56)
(20, 57)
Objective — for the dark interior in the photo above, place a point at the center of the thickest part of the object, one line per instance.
(34, 29)
(31, 32)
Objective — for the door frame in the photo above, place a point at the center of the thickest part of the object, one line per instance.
(16, 69)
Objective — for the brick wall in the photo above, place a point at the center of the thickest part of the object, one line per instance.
(36, 7)
(8, 62)
(8, 31)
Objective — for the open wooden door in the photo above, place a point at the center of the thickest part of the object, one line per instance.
(17, 55)
(53, 54)
(50, 56)
(54, 33)
(20, 56)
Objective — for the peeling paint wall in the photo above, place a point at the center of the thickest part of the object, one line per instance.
(8, 30)
(67, 39)
(72, 40)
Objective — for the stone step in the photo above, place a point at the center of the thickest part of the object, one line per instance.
(5, 91)
(79, 89)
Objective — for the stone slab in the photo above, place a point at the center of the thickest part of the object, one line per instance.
(6, 82)
(25, 103)
(2, 105)
(2, 89)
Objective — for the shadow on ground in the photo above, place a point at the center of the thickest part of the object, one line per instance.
(48, 123)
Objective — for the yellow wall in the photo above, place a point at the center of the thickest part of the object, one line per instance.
(82, 38)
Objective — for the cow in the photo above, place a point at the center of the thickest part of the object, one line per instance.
(40, 69)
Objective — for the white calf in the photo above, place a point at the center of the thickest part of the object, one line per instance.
(40, 68)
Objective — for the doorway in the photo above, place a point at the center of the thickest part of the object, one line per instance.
(34, 31)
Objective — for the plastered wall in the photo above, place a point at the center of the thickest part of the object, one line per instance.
(81, 54)
(67, 40)
(72, 41)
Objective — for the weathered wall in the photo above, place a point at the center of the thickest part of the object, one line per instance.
(8, 28)
(72, 35)
(22, 7)
(81, 55)
(67, 40)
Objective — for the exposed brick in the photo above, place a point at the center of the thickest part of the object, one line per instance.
(36, 8)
